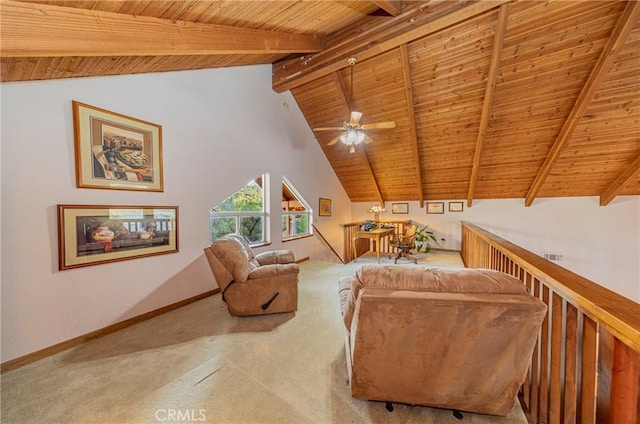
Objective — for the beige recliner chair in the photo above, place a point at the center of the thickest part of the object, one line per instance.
(266, 283)
(457, 339)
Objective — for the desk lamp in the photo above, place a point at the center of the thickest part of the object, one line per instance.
(376, 213)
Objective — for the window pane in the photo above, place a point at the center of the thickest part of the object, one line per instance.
(251, 228)
(295, 225)
(301, 224)
(247, 199)
(221, 226)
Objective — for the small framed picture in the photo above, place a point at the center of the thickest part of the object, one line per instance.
(324, 207)
(435, 207)
(399, 208)
(456, 206)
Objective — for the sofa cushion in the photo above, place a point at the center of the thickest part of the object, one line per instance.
(423, 280)
(276, 257)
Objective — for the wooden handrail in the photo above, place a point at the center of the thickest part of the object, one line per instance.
(319, 234)
(621, 316)
(586, 363)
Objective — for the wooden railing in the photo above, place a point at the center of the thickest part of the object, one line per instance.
(317, 232)
(585, 366)
(364, 245)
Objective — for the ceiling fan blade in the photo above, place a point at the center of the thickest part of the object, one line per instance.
(355, 117)
(368, 139)
(334, 141)
(328, 129)
(379, 125)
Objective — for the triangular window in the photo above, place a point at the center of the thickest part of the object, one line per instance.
(244, 212)
(296, 213)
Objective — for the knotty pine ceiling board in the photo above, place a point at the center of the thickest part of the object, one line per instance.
(448, 70)
(381, 99)
(540, 77)
(598, 150)
(289, 16)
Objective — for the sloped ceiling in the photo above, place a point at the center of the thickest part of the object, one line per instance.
(491, 99)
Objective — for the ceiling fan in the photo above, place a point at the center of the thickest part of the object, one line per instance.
(353, 131)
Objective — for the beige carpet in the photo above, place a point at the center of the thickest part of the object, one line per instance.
(199, 364)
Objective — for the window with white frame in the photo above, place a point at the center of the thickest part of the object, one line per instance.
(244, 212)
(296, 213)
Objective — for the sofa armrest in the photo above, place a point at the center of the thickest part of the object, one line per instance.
(273, 270)
(276, 257)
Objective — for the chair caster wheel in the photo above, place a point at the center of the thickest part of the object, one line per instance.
(457, 414)
(389, 407)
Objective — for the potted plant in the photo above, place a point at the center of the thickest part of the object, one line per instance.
(424, 236)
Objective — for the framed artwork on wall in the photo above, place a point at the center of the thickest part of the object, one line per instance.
(97, 234)
(456, 206)
(324, 208)
(435, 207)
(399, 208)
(115, 151)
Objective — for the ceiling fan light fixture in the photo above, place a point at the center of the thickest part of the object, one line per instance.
(352, 137)
(353, 133)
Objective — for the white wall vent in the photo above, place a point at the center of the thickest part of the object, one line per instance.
(556, 257)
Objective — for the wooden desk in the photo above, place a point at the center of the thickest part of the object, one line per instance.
(377, 235)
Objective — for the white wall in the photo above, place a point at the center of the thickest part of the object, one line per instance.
(221, 128)
(601, 243)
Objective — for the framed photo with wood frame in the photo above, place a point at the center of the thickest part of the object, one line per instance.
(97, 234)
(435, 207)
(456, 206)
(399, 208)
(324, 208)
(115, 151)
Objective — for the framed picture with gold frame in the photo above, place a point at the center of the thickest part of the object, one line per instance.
(399, 208)
(97, 234)
(324, 207)
(115, 151)
(456, 206)
(435, 207)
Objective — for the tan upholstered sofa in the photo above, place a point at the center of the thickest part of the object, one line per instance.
(456, 339)
(266, 283)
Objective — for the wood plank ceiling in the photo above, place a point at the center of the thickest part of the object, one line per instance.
(492, 99)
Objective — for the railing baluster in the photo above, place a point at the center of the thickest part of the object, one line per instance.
(555, 386)
(543, 409)
(624, 384)
(570, 361)
(588, 373)
(536, 363)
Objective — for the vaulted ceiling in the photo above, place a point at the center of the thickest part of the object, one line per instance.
(491, 99)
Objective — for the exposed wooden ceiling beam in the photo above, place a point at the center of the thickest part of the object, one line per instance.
(392, 7)
(408, 87)
(342, 91)
(389, 34)
(40, 30)
(365, 159)
(501, 29)
(608, 55)
(626, 176)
